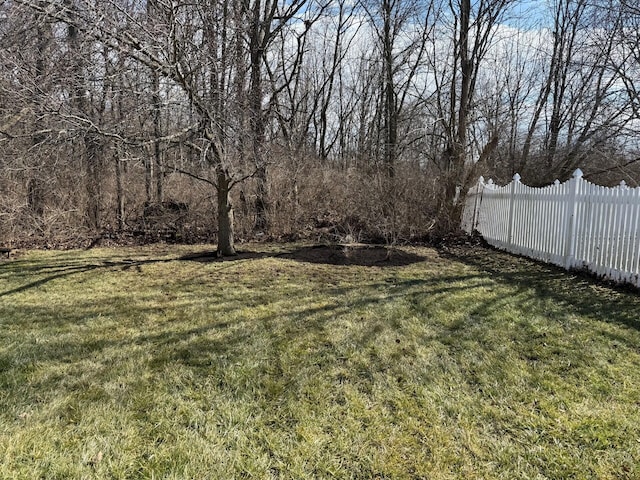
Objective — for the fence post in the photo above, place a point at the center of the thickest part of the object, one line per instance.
(571, 219)
(512, 201)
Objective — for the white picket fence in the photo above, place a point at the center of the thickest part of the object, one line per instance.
(575, 224)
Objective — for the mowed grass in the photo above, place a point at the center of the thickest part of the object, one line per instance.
(156, 363)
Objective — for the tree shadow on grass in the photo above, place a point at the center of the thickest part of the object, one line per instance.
(349, 255)
(209, 256)
(580, 293)
(59, 270)
(351, 341)
(200, 344)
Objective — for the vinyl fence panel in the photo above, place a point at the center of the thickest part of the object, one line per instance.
(575, 224)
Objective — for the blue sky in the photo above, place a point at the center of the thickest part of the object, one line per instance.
(529, 14)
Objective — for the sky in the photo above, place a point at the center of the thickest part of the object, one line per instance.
(528, 14)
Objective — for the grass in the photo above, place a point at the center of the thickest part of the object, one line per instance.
(156, 363)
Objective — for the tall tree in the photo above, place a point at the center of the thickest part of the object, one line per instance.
(265, 19)
(472, 28)
(88, 115)
(402, 29)
(580, 107)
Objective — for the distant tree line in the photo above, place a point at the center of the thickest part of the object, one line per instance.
(365, 120)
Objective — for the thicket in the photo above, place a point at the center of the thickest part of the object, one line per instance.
(308, 200)
(367, 121)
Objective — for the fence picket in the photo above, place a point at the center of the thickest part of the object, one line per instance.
(626, 244)
(574, 224)
(635, 237)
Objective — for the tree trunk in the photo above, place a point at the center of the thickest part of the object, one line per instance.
(257, 33)
(389, 93)
(225, 215)
(35, 186)
(157, 133)
(91, 144)
(119, 194)
(456, 154)
(148, 179)
(262, 198)
(94, 187)
(35, 197)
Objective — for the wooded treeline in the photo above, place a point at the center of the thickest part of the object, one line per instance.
(363, 120)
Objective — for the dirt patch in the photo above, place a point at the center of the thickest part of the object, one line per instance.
(362, 255)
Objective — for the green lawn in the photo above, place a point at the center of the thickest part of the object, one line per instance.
(159, 363)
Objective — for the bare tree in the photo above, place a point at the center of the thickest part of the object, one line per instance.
(580, 107)
(265, 19)
(196, 47)
(402, 29)
(473, 28)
